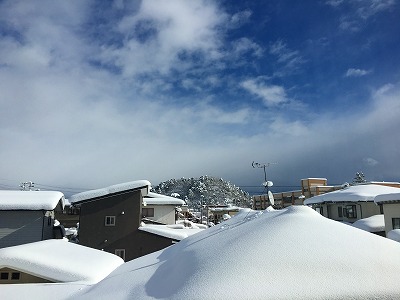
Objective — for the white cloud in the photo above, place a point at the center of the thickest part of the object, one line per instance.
(241, 17)
(244, 45)
(357, 72)
(370, 161)
(289, 60)
(271, 95)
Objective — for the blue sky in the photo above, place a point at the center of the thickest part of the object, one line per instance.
(98, 93)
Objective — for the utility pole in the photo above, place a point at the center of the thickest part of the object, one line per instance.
(27, 186)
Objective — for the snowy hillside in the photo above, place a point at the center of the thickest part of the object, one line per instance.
(204, 190)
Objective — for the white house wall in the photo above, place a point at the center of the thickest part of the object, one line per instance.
(164, 214)
(391, 210)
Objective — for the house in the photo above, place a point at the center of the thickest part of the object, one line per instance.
(350, 203)
(55, 261)
(28, 216)
(217, 213)
(110, 219)
(391, 210)
(160, 209)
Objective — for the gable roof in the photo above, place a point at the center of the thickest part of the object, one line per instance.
(121, 187)
(60, 261)
(31, 200)
(387, 198)
(158, 199)
(355, 193)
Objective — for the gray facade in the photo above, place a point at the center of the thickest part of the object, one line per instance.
(24, 226)
(111, 223)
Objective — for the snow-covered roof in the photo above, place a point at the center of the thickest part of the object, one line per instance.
(393, 197)
(60, 261)
(394, 235)
(222, 209)
(121, 187)
(293, 253)
(356, 193)
(158, 199)
(31, 200)
(176, 232)
(374, 223)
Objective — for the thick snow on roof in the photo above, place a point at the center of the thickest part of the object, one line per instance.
(372, 224)
(30, 200)
(60, 261)
(294, 253)
(393, 197)
(109, 190)
(394, 235)
(356, 193)
(177, 232)
(157, 199)
(221, 209)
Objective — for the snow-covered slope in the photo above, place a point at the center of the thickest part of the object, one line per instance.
(293, 253)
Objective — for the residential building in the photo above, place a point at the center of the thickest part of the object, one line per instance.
(160, 209)
(28, 216)
(110, 219)
(350, 203)
(55, 261)
(217, 213)
(309, 187)
(391, 210)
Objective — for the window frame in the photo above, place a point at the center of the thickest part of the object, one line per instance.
(394, 221)
(120, 252)
(109, 220)
(148, 209)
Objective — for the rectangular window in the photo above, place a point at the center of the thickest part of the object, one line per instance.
(15, 276)
(120, 253)
(4, 275)
(396, 223)
(147, 212)
(110, 221)
(340, 211)
(319, 210)
(350, 211)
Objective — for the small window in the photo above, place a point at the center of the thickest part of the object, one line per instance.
(396, 223)
(110, 221)
(350, 211)
(15, 276)
(120, 253)
(4, 275)
(147, 212)
(340, 211)
(319, 210)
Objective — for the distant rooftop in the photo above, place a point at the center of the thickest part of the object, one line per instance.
(31, 200)
(158, 199)
(121, 187)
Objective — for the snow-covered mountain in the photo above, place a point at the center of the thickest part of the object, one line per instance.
(205, 190)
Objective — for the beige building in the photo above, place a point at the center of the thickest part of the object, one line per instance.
(391, 210)
(350, 203)
(309, 187)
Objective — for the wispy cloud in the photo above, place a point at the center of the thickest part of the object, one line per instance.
(271, 95)
(357, 72)
(288, 60)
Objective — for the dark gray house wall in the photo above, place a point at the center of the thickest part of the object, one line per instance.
(125, 208)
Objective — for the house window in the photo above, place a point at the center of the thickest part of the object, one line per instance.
(120, 253)
(15, 275)
(319, 210)
(147, 212)
(340, 211)
(4, 276)
(350, 211)
(396, 223)
(110, 221)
